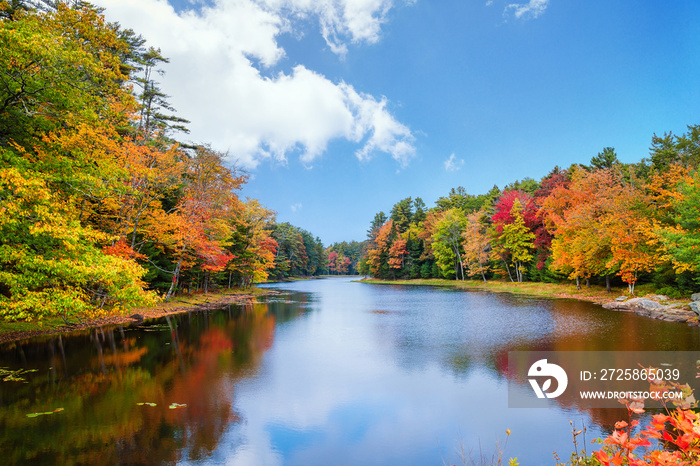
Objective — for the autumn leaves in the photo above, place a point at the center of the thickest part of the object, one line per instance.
(604, 220)
(98, 210)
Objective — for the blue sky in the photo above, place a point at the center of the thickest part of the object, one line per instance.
(340, 108)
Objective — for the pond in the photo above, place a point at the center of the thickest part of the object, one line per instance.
(327, 371)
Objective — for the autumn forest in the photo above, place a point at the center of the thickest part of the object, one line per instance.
(601, 222)
(102, 209)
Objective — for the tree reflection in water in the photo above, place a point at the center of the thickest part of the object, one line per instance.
(99, 376)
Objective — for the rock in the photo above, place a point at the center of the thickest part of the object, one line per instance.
(657, 297)
(137, 317)
(695, 297)
(616, 306)
(649, 308)
(695, 307)
(644, 303)
(621, 298)
(675, 318)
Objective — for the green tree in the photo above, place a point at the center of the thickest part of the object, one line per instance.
(447, 242)
(156, 115)
(377, 223)
(669, 149)
(418, 211)
(605, 159)
(527, 185)
(56, 69)
(682, 239)
(401, 214)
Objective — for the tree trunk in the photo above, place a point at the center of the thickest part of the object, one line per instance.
(607, 283)
(508, 270)
(459, 257)
(176, 276)
(578, 284)
(588, 282)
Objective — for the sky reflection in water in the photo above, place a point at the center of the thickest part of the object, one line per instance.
(330, 372)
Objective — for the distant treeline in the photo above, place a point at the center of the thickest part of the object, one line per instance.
(606, 221)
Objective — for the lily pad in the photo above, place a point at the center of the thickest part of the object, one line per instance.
(147, 403)
(176, 405)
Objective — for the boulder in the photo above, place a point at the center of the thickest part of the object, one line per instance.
(695, 307)
(644, 303)
(695, 297)
(650, 308)
(616, 306)
(621, 298)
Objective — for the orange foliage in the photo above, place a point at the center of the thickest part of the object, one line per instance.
(601, 226)
(397, 253)
(378, 255)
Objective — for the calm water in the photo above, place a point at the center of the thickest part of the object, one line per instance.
(328, 372)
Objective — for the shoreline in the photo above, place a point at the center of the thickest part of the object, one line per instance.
(594, 294)
(199, 302)
(187, 303)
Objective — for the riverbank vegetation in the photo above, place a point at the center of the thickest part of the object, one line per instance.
(101, 208)
(52, 325)
(607, 222)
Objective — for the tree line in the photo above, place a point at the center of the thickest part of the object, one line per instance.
(607, 221)
(101, 208)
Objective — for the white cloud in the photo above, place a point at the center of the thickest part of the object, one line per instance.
(341, 20)
(452, 164)
(489, 3)
(532, 9)
(215, 77)
(296, 207)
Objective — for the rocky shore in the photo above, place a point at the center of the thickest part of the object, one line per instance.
(659, 307)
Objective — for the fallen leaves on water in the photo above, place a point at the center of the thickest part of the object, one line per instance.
(8, 375)
(57, 410)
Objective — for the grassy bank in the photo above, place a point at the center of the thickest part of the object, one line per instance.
(593, 293)
(10, 331)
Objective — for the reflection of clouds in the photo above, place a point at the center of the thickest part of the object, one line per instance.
(386, 416)
(332, 390)
(346, 385)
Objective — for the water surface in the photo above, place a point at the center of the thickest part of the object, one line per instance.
(327, 372)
